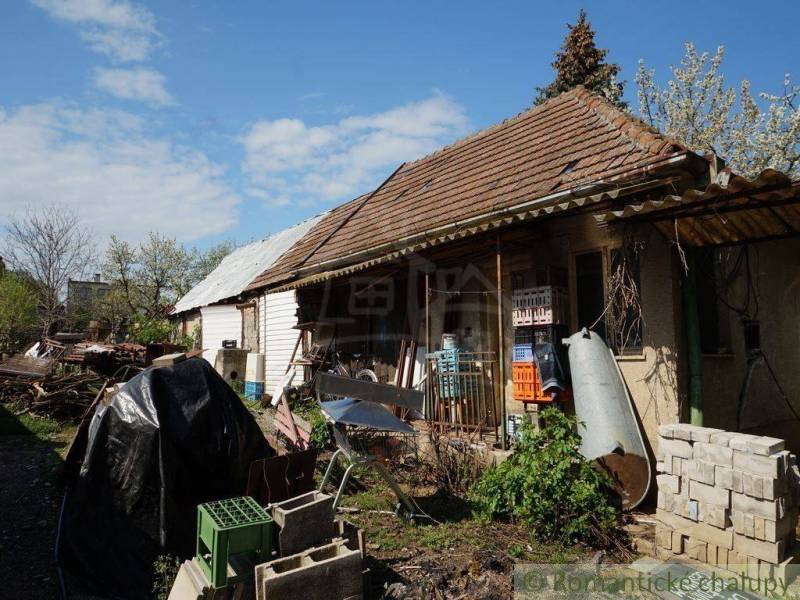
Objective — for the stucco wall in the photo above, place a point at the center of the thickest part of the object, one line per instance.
(775, 268)
(653, 376)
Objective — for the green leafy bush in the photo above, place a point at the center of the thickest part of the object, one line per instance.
(18, 316)
(547, 484)
(149, 331)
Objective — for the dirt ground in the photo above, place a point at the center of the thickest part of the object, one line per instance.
(30, 499)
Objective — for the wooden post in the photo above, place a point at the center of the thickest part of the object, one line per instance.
(501, 361)
(428, 386)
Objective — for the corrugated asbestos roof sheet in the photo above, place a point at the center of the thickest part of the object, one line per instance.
(237, 269)
(573, 139)
(731, 210)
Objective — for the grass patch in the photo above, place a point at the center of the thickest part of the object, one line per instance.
(26, 424)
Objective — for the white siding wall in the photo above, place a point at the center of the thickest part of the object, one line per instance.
(279, 316)
(221, 322)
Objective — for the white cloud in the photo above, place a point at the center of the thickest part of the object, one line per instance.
(288, 161)
(140, 83)
(122, 30)
(120, 177)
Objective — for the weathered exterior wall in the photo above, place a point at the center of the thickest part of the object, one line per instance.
(775, 267)
(653, 376)
(278, 318)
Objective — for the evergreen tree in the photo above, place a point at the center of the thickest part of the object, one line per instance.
(581, 62)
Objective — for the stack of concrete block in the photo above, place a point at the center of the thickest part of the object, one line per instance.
(724, 499)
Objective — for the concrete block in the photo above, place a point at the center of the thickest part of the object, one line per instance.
(719, 455)
(668, 483)
(722, 557)
(697, 549)
(168, 360)
(765, 570)
(304, 521)
(769, 509)
(723, 438)
(708, 493)
(743, 523)
(329, 572)
(768, 466)
(682, 431)
(718, 516)
(667, 430)
(739, 441)
(702, 471)
(703, 434)
(665, 500)
(772, 552)
(736, 562)
(752, 485)
(765, 446)
(778, 530)
(752, 567)
(726, 477)
(661, 467)
(711, 554)
(192, 584)
(789, 568)
(677, 543)
(676, 448)
(664, 538)
(703, 531)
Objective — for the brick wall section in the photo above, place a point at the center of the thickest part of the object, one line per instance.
(727, 499)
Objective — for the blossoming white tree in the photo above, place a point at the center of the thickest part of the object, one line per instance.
(699, 110)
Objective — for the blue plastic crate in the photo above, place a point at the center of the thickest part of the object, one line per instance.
(523, 352)
(253, 390)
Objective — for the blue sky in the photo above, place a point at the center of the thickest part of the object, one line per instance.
(216, 120)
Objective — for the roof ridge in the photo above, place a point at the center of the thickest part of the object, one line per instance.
(482, 132)
(645, 136)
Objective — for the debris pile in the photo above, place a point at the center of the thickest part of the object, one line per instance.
(727, 499)
(63, 397)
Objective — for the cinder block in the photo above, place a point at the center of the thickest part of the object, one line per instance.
(697, 549)
(667, 430)
(665, 500)
(788, 569)
(768, 466)
(661, 467)
(664, 537)
(743, 523)
(728, 478)
(765, 446)
(329, 572)
(772, 552)
(723, 438)
(752, 567)
(769, 509)
(718, 516)
(677, 542)
(752, 485)
(676, 448)
(711, 554)
(703, 531)
(719, 455)
(708, 493)
(668, 483)
(778, 530)
(702, 471)
(304, 521)
(736, 562)
(683, 431)
(739, 441)
(722, 557)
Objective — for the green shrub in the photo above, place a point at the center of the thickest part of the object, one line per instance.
(547, 484)
(18, 315)
(165, 570)
(150, 331)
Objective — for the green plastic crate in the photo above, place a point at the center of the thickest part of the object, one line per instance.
(226, 528)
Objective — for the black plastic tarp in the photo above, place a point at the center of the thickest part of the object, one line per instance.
(171, 439)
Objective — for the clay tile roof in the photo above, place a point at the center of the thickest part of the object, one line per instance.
(572, 139)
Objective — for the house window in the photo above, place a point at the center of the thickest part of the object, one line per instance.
(590, 291)
(625, 293)
(607, 297)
